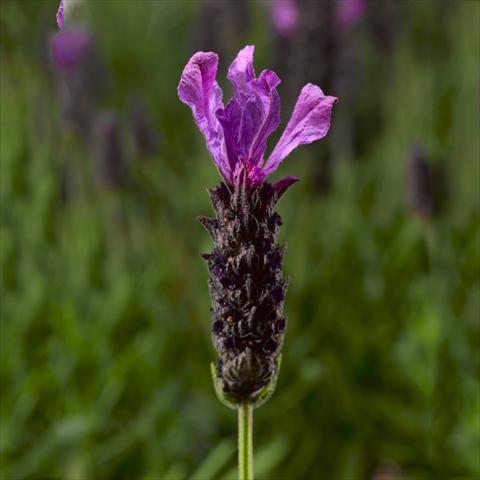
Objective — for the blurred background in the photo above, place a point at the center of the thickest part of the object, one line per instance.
(105, 333)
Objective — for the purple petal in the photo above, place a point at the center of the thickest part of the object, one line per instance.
(199, 90)
(254, 112)
(265, 87)
(230, 120)
(309, 122)
(60, 14)
(247, 121)
(255, 175)
(284, 184)
(240, 121)
(241, 70)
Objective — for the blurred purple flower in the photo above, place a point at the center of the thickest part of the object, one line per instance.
(349, 12)
(285, 16)
(236, 135)
(68, 48)
(60, 12)
(80, 76)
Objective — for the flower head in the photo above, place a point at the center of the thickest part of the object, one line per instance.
(246, 283)
(237, 134)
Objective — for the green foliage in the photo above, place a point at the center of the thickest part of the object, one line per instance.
(105, 340)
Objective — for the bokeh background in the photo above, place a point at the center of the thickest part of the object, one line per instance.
(105, 341)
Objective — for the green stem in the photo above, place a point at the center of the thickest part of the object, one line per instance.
(245, 441)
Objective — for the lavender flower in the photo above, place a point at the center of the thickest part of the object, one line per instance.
(246, 283)
(80, 74)
(69, 47)
(285, 16)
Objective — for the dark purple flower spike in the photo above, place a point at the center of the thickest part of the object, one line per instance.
(247, 286)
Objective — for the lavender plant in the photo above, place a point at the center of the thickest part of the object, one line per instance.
(246, 283)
